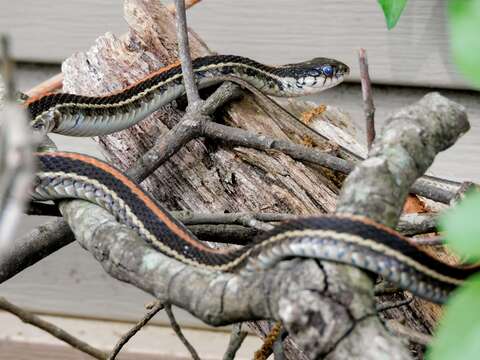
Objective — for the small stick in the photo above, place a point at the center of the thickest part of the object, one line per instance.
(29, 318)
(236, 339)
(394, 304)
(278, 352)
(178, 331)
(157, 306)
(184, 54)
(367, 95)
(7, 67)
(187, 129)
(385, 288)
(191, 218)
(188, 4)
(428, 241)
(411, 334)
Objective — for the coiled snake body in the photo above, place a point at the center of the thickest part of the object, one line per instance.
(345, 239)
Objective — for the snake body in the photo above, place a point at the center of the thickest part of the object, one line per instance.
(344, 239)
(77, 115)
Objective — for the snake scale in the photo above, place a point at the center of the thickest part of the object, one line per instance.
(351, 240)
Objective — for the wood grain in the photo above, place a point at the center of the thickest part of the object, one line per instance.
(274, 31)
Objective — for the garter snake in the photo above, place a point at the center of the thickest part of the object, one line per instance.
(76, 115)
(344, 239)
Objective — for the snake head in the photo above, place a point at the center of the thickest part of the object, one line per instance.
(313, 76)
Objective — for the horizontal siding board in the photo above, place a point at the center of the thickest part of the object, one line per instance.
(273, 31)
(22, 341)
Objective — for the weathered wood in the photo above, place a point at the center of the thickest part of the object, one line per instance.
(416, 52)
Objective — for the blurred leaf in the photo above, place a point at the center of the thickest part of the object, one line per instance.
(458, 336)
(462, 227)
(392, 9)
(464, 18)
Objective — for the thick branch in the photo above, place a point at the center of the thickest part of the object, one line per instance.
(403, 152)
(234, 298)
(33, 247)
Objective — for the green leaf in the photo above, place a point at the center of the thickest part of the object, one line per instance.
(462, 227)
(458, 336)
(392, 9)
(464, 18)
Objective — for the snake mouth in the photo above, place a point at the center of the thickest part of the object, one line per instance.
(309, 85)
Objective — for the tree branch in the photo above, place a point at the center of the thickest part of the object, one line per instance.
(157, 306)
(405, 150)
(178, 331)
(367, 95)
(189, 128)
(236, 340)
(31, 248)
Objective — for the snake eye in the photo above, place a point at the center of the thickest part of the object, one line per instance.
(327, 70)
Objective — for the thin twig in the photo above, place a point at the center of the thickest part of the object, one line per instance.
(189, 128)
(388, 305)
(417, 223)
(178, 331)
(191, 218)
(278, 352)
(157, 306)
(385, 288)
(188, 4)
(183, 132)
(428, 241)
(7, 67)
(29, 318)
(236, 340)
(184, 54)
(411, 334)
(226, 234)
(367, 95)
(239, 137)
